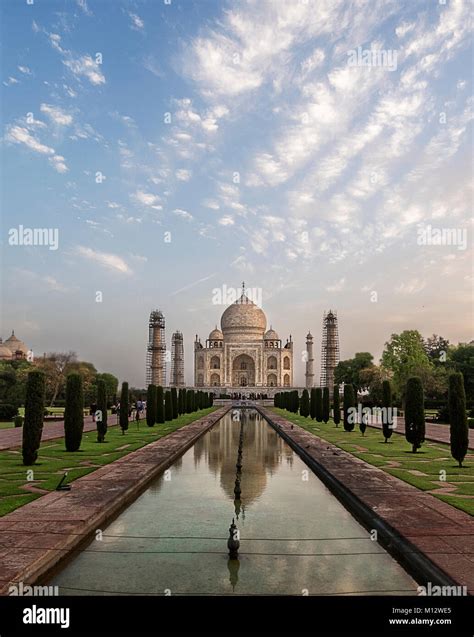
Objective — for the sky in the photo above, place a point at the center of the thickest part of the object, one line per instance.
(320, 151)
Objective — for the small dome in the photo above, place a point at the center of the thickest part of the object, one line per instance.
(271, 335)
(5, 353)
(216, 335)
(15, 345)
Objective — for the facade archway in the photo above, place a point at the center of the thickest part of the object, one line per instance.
(272, 362)
(215, 380)
(200, 362)
(286, 362)
(215, 362)
(286, 380)
(271, 380)
(243, 371)
(200, 380)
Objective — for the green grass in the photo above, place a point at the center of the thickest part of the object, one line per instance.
(53, 459)
(396, 458)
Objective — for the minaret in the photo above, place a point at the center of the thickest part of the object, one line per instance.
(329, 349)
(156, 350)
(309, 361)
(177, 360)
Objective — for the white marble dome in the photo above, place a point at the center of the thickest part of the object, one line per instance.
(243, 320)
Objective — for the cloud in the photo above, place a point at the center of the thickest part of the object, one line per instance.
(20, 135)
(137, 23)
(10, 81)
(337, 286)
(58, 163)
(25, 70)
(147, 199)
(183, 214)
(105, 259)
(56, 115)
(183, 175)
(85, 66)
(83, 5)
(226, 221)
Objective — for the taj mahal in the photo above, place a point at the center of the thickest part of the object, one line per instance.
(243, 353)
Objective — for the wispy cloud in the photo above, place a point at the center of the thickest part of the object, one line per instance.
(105, 259)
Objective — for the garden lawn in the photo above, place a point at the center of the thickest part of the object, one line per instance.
(54, 460)
(431, 469)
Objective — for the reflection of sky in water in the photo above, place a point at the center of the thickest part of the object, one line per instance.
(294, 534)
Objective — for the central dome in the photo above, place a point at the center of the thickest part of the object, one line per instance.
(243, 320)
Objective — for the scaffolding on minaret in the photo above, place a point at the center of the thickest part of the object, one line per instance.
(329, 350)
(156, 350)
(177, 360)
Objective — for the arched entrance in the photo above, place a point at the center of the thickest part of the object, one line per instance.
(243, 371)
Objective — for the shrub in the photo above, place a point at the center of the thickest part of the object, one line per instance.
(151, 405)
(348, 407)
(174, 402)
(211, 399)
(387, 420)
(101, 422)
(414, 413)
(73, 412)
(168, 406)
(33, 424)
(312, 403)
(180, 401)
(8, 411)
(325, 406)
(319, 404)
(189, 401)
(160, 407)
(336, 406)
(124, 407)
(459, 429)
(18, 421)
(304, 407)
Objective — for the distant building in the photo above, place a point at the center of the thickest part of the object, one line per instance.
(242, 353)
(13, 349)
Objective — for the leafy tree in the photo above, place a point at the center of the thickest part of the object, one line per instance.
(168, 406)
(304, 407)
(459, 429)
(319, 404)
(414, 413)
(326, 404)
(405, 356)
(88, 374)
(387, 418)
(34, 412)
(151, 405)
(160, 408)
(348, 371)
(124, 407)
(101, 418)
(56, 366)
(437, 349)
(462, 357)
(174, 402)
(336, 406)
(312, 403)
(348, 407)
(74, 412)
(111, 383)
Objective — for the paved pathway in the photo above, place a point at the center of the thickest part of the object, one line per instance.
(10, 438)
(438, 433)
(435, 529)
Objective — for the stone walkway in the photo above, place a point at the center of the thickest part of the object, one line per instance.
(437, 433)
(35, 537)
(11, 438)
(436, 530)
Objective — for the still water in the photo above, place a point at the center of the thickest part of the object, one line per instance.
(295, 537)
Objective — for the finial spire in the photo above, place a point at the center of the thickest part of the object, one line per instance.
(243, 287)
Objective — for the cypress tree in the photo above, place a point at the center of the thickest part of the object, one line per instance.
(326, 404)
(387, 419)
(458, 426)
(183, 399)
(160, 408)
(304, 407)
(211, 399)
(296, 401)
(275, 400)
(168, 406)
(189, 401)
(336, 406)
(101, 420)
(34, 413)
(174, 402)
(124, 407)
(151, 405)
(312, 403)
(363, 420)
(73, 412)
(319, 404)
(348, 404)
(414, 413)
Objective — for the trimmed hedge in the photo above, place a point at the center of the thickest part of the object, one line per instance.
(414, 413)
(73, 412)
(33, 424)
(102, 408)
(459, 429)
